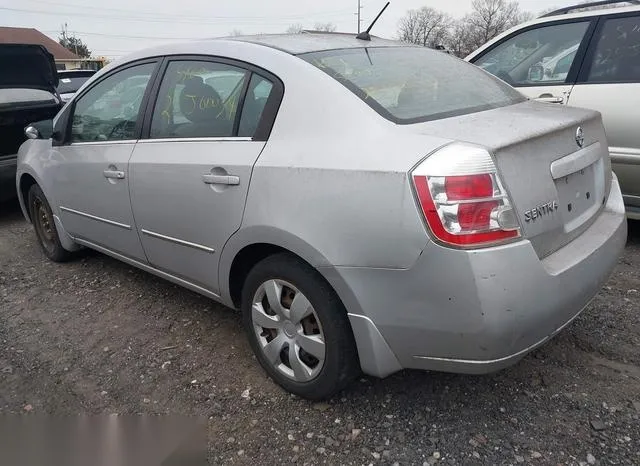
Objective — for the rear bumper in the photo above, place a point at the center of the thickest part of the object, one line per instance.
(478, 311)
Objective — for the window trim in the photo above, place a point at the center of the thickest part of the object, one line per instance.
(577, 61)
(269, 113)
(72, 108)
(585, 69)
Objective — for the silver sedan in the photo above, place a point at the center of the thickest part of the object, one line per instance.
(369, 206)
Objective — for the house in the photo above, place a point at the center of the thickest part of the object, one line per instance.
(65, 60)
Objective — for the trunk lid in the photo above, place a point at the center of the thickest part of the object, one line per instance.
(27, 66)
(557, 186)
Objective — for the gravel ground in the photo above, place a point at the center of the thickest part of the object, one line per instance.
(97, 336)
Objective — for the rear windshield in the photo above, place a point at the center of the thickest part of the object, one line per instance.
(71, 84)
(414, 84)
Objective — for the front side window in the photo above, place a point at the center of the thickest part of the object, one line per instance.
(543, 55)
(198, 99)
(617, 53)
(413, 84)
(109, 111)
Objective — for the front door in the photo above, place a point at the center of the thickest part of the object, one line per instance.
(91, 170)
(190, 178)
(540, 61)
(610, 83)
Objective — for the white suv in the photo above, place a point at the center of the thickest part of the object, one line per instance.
(589, 59)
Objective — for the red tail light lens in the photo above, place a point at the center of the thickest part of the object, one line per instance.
(463, 199)
(468, 187)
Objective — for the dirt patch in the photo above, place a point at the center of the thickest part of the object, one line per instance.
(97, 336)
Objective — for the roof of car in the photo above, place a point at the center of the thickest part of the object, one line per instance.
(581, 14)
(613, 7)
(76, 72)
(311, 41)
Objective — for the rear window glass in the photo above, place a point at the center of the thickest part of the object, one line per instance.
(414, 84)
(71, 84)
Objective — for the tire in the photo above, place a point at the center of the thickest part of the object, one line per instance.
(307, 294)
(43, 223)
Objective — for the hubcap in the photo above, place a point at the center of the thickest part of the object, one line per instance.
(288, 330)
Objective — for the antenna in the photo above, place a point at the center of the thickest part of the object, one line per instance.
(365, 35)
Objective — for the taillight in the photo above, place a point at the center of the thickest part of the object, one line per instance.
(463, 199)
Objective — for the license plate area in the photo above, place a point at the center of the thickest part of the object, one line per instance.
(580, 194)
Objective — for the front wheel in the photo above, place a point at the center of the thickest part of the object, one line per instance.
(42, 219)
(298, 328)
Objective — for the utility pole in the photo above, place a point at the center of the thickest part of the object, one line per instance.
(358, 14)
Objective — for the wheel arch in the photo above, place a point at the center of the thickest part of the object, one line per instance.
(248, 247)
(26, 180)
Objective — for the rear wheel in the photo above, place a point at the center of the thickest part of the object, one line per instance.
(298, 328)
(42, 219)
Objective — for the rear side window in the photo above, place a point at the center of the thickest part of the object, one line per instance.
(198, 99)
(617, 53)
(71, 84)
(254, 103)
(413, 84)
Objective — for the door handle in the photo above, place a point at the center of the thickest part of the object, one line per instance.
(221, 179)
(551, 99)
(115, 174)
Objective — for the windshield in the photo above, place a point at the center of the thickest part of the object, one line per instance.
(414, 84)
(71, 84)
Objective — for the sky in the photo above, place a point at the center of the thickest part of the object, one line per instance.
(116, 27)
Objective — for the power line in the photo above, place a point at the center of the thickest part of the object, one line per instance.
(174, 18)
(125, 36)
(173, 15)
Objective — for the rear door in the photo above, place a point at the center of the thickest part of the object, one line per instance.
(541, 61)
(610, 83)
(190, 175)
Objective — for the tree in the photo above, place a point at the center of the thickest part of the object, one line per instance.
(236, 32)
(427, 26)
(488, 19)
(492, 17)
(326, 27)
(295, 29)
(75, 45)
(460, 39)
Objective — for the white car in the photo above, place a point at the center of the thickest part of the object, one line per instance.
(69, 81)
(587, 59)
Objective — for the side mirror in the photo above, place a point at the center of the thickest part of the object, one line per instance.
(536, 73)
(31, 132)
(39, 130)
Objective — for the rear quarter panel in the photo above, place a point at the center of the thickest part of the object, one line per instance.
(334, 175)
